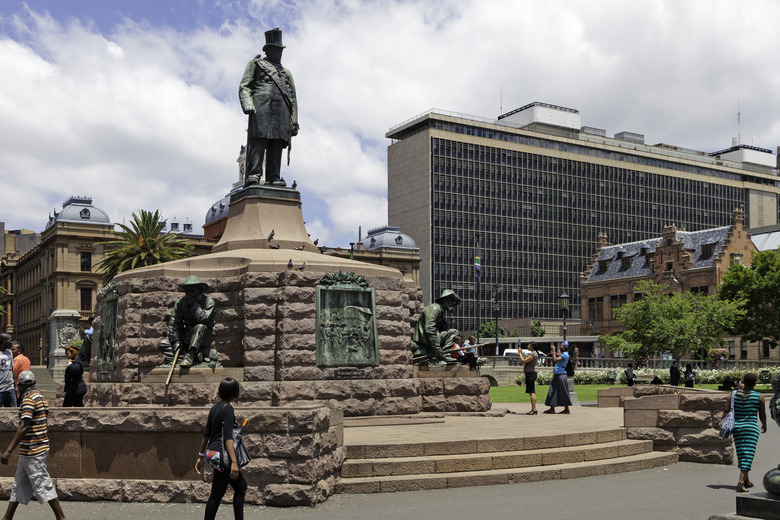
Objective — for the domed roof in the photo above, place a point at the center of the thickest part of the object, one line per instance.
(388, 236)
(218, 210)
(79, 209)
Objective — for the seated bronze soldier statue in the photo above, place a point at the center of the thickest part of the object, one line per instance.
(432, 333)
(191, 329)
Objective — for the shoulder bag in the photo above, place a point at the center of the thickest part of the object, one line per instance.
(727, 423)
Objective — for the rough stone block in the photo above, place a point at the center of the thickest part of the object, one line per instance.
(263, 373)
(259, 357)
(707, 454)
(259, 327)
(683, 419)
(398, 406)
(296, 310)
(640, 418)
(657, 435)
(701, 436)
(652, 402)
(719, 401)
(260, 311)
(297, 326)
(286, 495)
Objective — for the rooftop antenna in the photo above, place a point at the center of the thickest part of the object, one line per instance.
(739, 125)
(501, 98)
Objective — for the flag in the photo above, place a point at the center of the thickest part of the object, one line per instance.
(477, 266)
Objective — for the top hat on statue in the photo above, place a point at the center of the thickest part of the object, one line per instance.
(273, 38)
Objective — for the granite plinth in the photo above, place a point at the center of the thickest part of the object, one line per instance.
(759, 505)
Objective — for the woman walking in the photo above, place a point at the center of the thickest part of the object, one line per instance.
(529, 370)
(558, 393)
(747, 403)
(220, 424)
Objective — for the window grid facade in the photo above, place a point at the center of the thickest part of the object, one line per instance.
(539, 213)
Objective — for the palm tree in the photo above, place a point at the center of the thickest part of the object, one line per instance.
(140, 244)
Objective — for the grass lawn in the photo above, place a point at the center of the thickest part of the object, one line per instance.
(585, 393)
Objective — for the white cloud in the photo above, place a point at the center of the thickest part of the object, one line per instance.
(142, 116)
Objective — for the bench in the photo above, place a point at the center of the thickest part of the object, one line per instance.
(646, 379)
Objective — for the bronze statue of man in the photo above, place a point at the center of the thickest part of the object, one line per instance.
(432, 333)
(267, 95)
(191, 328)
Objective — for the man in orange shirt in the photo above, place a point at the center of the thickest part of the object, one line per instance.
(21, 363)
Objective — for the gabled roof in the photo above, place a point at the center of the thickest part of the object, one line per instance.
(637, 254)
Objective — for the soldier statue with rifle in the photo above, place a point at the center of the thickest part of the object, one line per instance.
(432, 333)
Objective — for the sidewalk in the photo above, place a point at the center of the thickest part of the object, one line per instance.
(683, 491)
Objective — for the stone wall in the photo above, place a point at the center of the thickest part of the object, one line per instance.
(684, 420)
(148, 454)
(266, 337)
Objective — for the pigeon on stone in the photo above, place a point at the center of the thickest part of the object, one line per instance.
(301, 267)
(317, 241)
(299, 248)
(290, 264)
(277, 246)
(294, 184)
(271, 235)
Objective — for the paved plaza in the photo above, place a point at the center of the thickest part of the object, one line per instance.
(680, 491)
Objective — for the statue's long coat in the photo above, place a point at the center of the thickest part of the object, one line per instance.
(271, 91)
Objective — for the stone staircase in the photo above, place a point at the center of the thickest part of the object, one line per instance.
(377, 468)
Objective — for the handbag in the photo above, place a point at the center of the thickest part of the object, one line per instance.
(727, 423)
(242, 454)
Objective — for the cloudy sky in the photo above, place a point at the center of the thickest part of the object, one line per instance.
(135, 101)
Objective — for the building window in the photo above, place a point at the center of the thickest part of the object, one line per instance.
(703, 290)
(765, 346)
(735, 258)
(743, 352)
(625, 263)
(706, 251)
(86, 261)
(86, 299)
(732, 350)
(596, 308)
(603, 266)
(616, 301)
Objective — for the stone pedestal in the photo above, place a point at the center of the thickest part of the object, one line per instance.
(63, 329)
(760, 506)
(264, 276)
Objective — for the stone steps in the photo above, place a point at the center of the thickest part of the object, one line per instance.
(491, 477)
(411, 466)
(382, 467)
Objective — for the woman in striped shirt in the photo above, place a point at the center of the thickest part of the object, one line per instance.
(747, 403)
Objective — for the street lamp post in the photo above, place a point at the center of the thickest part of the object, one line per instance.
(563, 303)
(496, 290)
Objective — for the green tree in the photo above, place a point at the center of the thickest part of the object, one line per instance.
(488, 330)
(537, 331)
(676, 323)
(759, 286)
(140, 244)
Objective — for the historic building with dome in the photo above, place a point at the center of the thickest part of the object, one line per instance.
(56, 273)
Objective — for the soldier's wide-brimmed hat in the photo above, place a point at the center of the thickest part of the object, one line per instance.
(449, 294)
(194, 281)
(273, 38)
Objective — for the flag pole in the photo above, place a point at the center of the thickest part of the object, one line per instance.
(478, 274)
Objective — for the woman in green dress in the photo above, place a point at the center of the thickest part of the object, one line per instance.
(747, 403)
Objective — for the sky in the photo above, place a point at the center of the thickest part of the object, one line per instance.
(135, 102)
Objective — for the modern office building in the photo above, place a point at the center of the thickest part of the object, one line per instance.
(538, 188)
